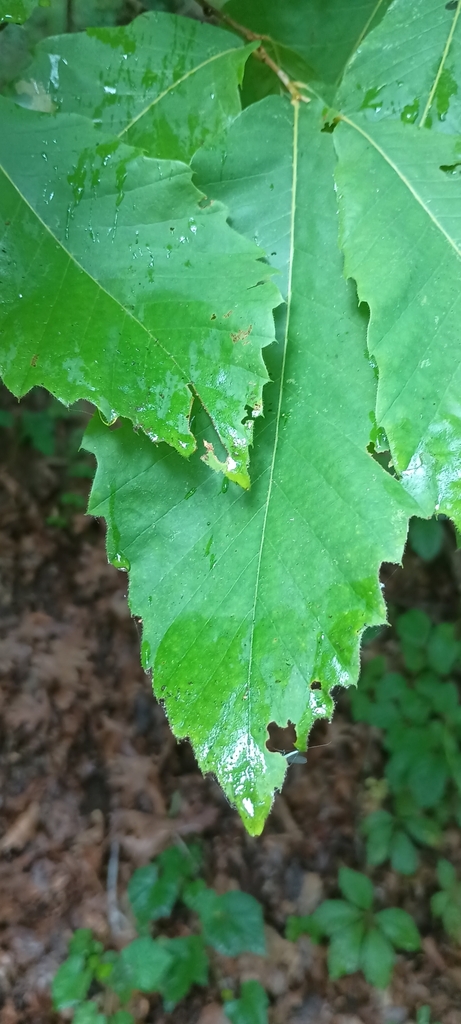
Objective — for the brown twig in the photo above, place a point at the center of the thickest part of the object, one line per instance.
(261, 53)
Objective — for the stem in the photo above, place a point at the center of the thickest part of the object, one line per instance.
(261, 53)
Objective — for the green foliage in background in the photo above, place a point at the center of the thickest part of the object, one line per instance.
(231, 924)
(419, 714)
(287, 407)
(359, 937)
(446, 903)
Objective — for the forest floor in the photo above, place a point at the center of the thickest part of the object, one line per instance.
(88, 767)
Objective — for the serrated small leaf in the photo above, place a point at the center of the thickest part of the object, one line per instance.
(140, 889)
(356, 887)
(83, 942)
(404, 857)
(443, 650)
(335, 915)
(378, 827)
(232, 923)
(71, 982)
(414, 627)
(189, 966)
(146, 962)
(426, 537)
(439, 903)
(423, 829)
(446, 873)
(306, 924)
(344, 950)
(399, 927)
(154, 888)
(451, 918)
(121, 1017)
(377, 958)
(88, 1013)
(251, 1007)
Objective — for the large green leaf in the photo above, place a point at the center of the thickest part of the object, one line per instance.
(325, 33)
(249, 598)
(400, 199)
(409, 67)
(118, 286)
(163, 83)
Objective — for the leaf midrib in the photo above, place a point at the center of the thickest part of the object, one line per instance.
(441, 67)
(359, 40)
(405, 181)
(280, 400)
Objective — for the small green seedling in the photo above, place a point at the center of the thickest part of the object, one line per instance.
(231, 924)
(426, 537)
(447, 902)
(420, 714)
(395, 836)
(423, 1016)
(251, 1008)
(360, 938)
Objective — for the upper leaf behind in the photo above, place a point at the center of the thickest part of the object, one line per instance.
(163, 83)
(118, 286)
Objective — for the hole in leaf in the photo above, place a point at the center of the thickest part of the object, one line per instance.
(316, 685)
(281, 737)
(451, 168)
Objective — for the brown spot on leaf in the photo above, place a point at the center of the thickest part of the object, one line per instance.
(33, 361)
(240, 335)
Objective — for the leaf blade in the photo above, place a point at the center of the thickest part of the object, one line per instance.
(264, 622)
(112, 285)
(400, 170)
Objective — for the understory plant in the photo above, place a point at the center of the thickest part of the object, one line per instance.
(446, 903)
(98, 984)
(237, 236)
(360, 938)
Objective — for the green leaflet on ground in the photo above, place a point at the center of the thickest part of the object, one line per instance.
(248, 598)
(119, 288)
(409, 67)
(163, 83)
(17, 10)
(400, 200)
(325, 33)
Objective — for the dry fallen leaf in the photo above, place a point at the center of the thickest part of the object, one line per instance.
(22, 830)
